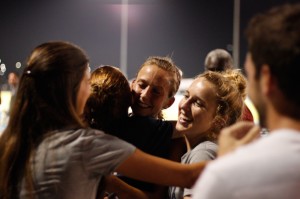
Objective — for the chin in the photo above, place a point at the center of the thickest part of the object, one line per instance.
(181, 129)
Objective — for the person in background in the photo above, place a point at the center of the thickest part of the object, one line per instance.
(155, 86)
(13, 84)
(218, 60)
(46, 151)
(213, 101)
(269, 166)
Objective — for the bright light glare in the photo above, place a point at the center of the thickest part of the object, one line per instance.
(2, 68)
(18, 65)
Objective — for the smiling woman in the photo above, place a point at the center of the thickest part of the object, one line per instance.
(210, 103)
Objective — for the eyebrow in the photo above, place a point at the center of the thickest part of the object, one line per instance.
(196, 98)
(153, 85)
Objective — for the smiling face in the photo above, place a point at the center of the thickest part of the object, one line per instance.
(151, 90)
(83, 92)
(197, 109)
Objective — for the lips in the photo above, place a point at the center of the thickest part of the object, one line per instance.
(143, 105)
(184, 121)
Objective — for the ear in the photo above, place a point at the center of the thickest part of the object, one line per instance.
(267, 81)
(132, 84)
(169, 102)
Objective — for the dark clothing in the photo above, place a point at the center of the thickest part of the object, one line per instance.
(150, 135)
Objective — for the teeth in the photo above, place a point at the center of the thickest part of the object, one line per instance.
(182, 119)
(143, 105)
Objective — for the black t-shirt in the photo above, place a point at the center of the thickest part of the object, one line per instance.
(150, 135)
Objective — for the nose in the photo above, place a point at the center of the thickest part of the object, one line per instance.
(184, 105)
(145, 93)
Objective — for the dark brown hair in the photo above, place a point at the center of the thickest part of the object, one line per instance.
(45, 101)
(274, 40)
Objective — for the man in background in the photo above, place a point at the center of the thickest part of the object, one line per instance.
(218, 60)
(268, 167)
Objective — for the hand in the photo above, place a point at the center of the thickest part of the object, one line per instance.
(237, 135)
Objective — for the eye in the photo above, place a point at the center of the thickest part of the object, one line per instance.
(199, 103)
(142, 85)
(186, 95)
(156, 91)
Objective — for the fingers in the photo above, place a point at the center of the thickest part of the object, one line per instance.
(253, 134)
(236, 135)
(238, 130)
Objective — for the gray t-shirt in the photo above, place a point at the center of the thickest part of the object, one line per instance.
(204, 151)
(70, 164)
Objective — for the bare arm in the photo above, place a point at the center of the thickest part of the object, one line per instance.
(142, 166)
(114, 185)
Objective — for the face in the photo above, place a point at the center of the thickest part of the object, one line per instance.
(151, 91)
(83, 92)
(12, 79)
(197, 109)
(253, 89)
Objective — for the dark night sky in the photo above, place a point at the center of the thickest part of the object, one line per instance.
(184, 30)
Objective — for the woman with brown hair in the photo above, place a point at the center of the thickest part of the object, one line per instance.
(213, 101)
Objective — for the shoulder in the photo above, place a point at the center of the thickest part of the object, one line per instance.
(207, 145)
(85, 139)
(202, 152)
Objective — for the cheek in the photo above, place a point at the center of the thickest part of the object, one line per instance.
(202, 120)
(160, 102)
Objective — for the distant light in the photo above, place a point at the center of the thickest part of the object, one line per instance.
(2, 68)
(0, 60)
(229, 47)
(18, 65)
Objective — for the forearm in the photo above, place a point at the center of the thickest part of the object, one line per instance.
(122, 189)
(153, 169)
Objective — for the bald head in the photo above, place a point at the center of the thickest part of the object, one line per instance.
(218, 60)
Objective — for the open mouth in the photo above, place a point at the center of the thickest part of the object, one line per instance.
(143, 105)
(184, 121)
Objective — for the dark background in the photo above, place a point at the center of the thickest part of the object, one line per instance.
(186, 30)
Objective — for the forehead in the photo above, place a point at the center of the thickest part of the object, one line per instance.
(152, 74)
(203, 89)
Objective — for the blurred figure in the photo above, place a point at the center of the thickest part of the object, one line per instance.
(269, 166)
(13, 84)
(218, 60)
